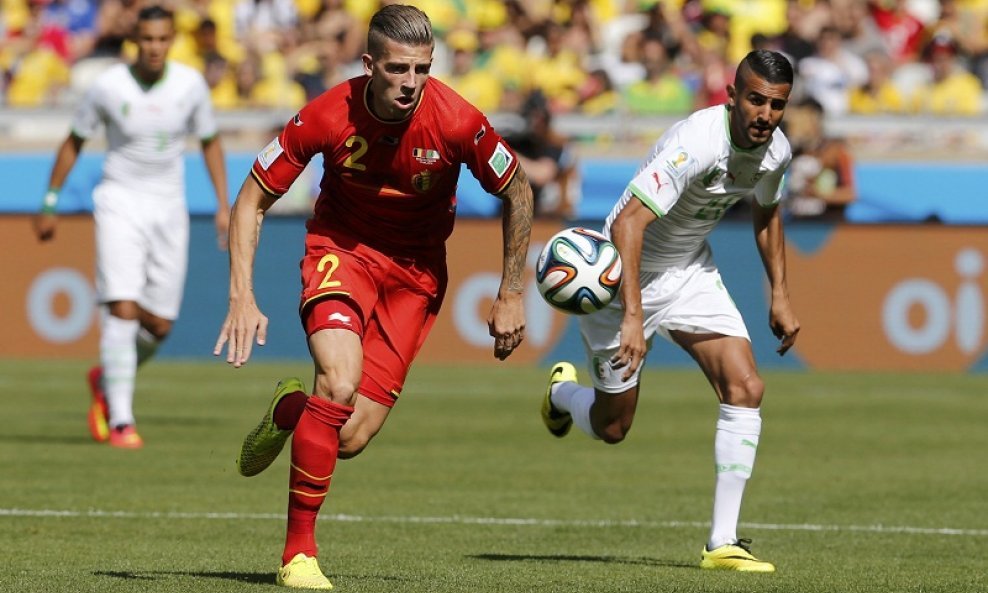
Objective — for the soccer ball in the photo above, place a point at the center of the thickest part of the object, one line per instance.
(579, 271)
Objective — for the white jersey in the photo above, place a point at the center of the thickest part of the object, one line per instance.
(692, 176)
(146, 127)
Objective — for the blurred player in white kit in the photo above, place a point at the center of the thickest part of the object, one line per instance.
(148, 109)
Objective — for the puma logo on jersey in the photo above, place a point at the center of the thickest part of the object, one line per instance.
(344, 319)
(297, 120)
(658, 181)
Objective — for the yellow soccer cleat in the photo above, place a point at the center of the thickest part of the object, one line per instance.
(262, 446)
(557, 421)
(302, 572)
(734, 557)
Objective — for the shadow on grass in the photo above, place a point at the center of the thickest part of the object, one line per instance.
(641, 561)
(153, 575)
(240, 577)
(48, 439)
(170, 420)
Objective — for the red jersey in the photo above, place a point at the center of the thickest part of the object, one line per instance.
(389, 185)
(901, 31)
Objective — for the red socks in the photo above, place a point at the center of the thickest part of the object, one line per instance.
(289, 410)
(315, 445)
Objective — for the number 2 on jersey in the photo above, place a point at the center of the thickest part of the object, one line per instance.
(351, 161)
(333, 262)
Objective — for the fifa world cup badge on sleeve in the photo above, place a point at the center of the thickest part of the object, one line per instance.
(678, 163)
(270, 152)
(501, 160)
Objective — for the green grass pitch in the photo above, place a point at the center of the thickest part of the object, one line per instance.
(864, 483)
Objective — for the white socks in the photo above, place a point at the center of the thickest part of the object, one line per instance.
(735, 445)
(576, 399)
(118, 355)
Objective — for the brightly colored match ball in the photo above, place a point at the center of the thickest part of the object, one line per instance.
(579, 271)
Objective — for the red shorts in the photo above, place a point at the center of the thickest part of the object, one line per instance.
(390, 302)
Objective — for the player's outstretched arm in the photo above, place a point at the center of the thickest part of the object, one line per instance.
(46, 220)
(212, 154)
(628, 234)
(244, 321)
(506, 321)
(771, 242)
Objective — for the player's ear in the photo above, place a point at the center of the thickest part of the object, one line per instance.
(731, 95)
(368, 63)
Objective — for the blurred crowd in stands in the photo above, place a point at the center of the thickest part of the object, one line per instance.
(541, 58)
(583, 56)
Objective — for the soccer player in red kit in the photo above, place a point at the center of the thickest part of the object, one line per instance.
(374, 269)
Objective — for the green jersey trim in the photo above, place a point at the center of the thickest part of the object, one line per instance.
(730, 139)
(644, 199)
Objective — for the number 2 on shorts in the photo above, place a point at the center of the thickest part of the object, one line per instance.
(334, 262)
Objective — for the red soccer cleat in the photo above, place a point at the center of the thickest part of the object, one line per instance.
(125, 437)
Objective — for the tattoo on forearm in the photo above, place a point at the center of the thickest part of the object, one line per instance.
(518, 206)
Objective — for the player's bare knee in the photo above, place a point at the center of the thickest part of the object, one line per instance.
(124, 309)
(614, 431)
(612, 436)
(337, 389)
(746, 393)
(159, 328)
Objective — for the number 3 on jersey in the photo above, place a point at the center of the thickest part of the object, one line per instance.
(331, 261)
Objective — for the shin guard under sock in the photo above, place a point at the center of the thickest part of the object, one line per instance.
(315, 445)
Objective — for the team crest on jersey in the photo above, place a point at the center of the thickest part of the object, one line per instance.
(423, 182)
(757, 176)
(426, 156)
(501, 160)
(270, 152)
(714, 177)
(678, 163)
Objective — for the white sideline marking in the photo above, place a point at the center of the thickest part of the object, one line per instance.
(460, 520)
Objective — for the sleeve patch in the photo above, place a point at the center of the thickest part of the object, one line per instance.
(501, 160)
(679, 163)
(269, 154)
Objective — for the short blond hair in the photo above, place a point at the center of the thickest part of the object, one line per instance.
(404, 24)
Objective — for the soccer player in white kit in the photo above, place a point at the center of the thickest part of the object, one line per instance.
(141, 218)
(671, 287)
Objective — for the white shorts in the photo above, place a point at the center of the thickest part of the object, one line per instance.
(691, 299)
(142, 248)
